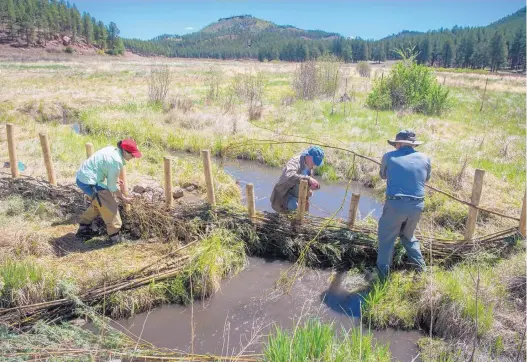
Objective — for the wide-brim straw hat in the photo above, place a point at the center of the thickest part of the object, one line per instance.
(407, 137)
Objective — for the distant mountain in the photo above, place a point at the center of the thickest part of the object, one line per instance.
(237, 24)
(514, 20)
(403, 34)
(497, 45)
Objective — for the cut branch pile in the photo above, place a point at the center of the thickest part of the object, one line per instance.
(321, 244)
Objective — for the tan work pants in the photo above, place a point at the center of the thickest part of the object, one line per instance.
(109, 211)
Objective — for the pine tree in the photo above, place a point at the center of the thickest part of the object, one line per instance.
(424, 52)
(480, 57)
(103, 35)
(517, 50)
(113, 34)
(497, 51)
(347, 54)
(448, 53)
(88, 27)
(11, 17)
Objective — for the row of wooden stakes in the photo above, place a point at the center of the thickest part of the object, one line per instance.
(211, 197)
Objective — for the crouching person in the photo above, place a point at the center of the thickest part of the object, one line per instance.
(285, 192)
(105, 165)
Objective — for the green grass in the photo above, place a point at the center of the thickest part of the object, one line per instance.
(34, 66)
(406, 300)
(461, 70)
(457, 287)
(392, 303)
(26, 282)
(217, 256)
(316, 341)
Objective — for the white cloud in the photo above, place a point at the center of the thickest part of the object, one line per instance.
(189, 28)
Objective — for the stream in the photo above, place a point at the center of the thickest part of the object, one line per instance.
(324, 202)
(239, 316)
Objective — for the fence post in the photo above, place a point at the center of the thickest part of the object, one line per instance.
(354, 207)
(124, 186)
(89, 149)
(207, 167)
(476, 196)
(168, 181)
(11, 145)
(44, 142)
(250, 200)
(302, 201)
(523, 230)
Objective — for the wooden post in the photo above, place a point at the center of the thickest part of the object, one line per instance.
(483, 97)
(523, 230)
(168, 181)
(476, 196)
(302, 201)
(89, 149)
(47, 158)
(124, 187)
(354, 207)
(11, 145)
(207, 167)
(250, 200)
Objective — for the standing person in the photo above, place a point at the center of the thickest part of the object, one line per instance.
(300, 167)
(105, 164)
(406, 172)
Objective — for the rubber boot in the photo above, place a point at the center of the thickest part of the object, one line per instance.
(115, 238)
(86, 231)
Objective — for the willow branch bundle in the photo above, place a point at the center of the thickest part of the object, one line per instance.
(321, 243)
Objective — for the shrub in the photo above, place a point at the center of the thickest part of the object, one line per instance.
(213, 80)
(364, 69)
(158, 84)
(409, 86)
(68, 50)
(305, 81)
(318, 78)
(255, 112)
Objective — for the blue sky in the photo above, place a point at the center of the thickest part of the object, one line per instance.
(375, 19)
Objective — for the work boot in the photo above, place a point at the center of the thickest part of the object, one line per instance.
(115, 238)
(86, 231)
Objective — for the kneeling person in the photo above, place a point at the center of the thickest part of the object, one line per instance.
(285, 192)
(105, 164)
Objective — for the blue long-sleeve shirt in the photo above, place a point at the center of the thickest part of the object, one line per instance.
(406, 172)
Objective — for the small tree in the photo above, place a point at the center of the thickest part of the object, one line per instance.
(409, 86)
(305, 80)
(317, 78)
(364, 69)
(158, 85)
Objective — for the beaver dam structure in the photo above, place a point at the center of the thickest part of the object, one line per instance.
(301, 238)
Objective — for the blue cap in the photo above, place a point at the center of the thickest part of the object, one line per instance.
(317, 153)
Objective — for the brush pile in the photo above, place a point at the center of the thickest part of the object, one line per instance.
(317, 242)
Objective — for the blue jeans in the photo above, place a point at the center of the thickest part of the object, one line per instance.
(87, 189)
(399, 218)
(292, 203)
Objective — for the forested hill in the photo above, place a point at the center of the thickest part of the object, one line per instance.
(498, 45)
(36, 23)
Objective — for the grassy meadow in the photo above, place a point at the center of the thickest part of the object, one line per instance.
(226, 107)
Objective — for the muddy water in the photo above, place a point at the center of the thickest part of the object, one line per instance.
(243, 312)
(324, 202)
(240, 315)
